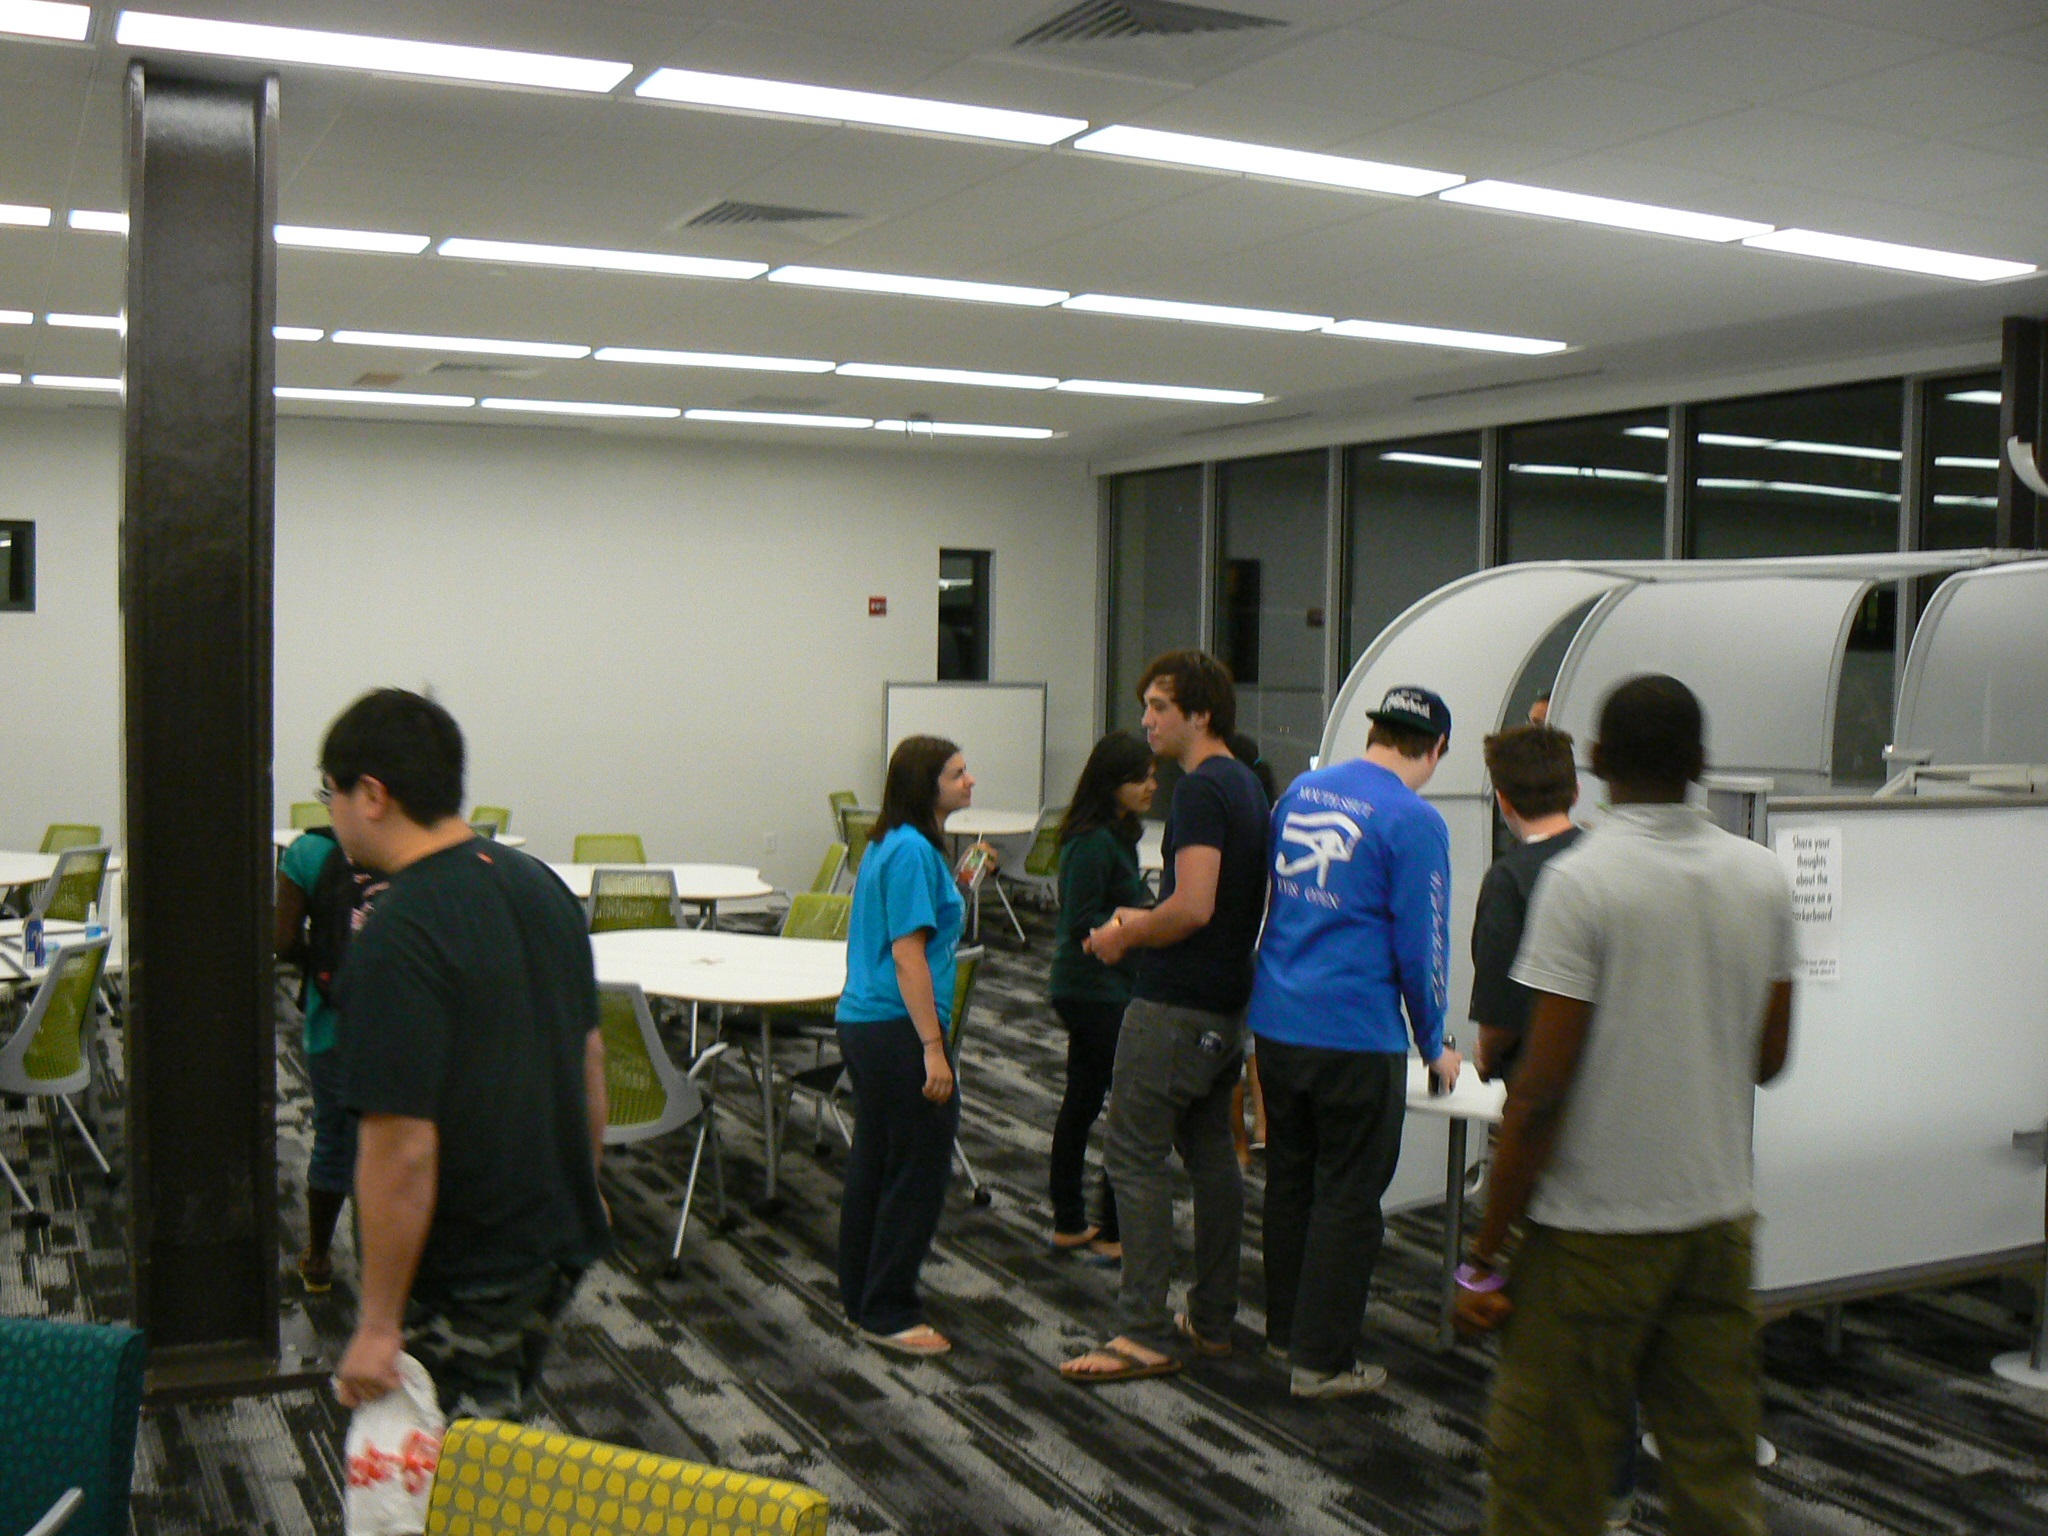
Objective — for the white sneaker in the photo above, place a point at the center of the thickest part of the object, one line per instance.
(1355, 1382)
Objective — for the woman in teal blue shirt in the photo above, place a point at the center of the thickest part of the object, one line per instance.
(893, 1021)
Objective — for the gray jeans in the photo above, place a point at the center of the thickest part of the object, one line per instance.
(1175, 1068)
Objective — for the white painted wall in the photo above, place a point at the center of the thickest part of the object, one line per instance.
(636, 635)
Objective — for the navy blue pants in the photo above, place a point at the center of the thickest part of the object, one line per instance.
(895, 1175)
(332, 1166)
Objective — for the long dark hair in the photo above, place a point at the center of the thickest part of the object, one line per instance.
(910, 793)
(1118, 759)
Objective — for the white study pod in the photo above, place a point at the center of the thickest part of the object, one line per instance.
(1764, 645)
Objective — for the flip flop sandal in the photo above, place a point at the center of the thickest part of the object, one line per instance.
(921, 1341)
(1135, 1368)
(1213, 1349)
(1067, 1242)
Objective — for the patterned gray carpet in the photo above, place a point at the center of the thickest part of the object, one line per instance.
(743, 1361)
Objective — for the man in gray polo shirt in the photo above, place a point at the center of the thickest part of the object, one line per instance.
(1660, 949)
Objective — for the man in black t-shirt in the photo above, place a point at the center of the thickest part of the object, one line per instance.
(1181, 1047)
(469, 1033)
(1536, 784)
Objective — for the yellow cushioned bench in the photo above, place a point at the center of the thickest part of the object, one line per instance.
(498, 1479)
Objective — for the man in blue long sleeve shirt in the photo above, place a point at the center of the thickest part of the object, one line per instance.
(1357, 930)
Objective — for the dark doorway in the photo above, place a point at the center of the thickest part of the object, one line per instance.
(963, 615)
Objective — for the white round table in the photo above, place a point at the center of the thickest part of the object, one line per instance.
(25, 868)
(701, 885)
(702, 966)
(974, 822)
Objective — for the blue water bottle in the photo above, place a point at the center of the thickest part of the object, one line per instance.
(32, 940)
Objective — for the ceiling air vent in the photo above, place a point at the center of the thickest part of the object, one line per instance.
(730, 212)
(1161, 40)
(486, 370)
(1095, 20)
(782, 403)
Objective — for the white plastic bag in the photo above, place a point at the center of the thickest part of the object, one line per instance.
(393, 1446)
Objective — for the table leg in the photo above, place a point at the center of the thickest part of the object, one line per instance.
(1454, 1231)
(771, 1148)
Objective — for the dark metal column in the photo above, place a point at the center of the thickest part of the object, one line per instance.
(2022, 413)
(196, 612)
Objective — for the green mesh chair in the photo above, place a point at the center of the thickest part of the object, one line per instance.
(969, 963)
(70, 1397)
(649, 1096)
(310, 813)
(827, 878)
(858, 824)
(47, 1058)
(493, 813)
(633, 898)
(485, 829)
(60, 835)
(841, 801)
(610, 848)
(74, 886)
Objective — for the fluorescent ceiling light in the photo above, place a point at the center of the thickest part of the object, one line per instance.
(917, 287)
(784, 98)
(411, 343)
(296, 333)
(1776, 444)
(31, 217)
(10, 378)
(947, 376)
(1199, 314)
(74, 381)
(1161, 392)
(383, 55)
(1264, 160)
(966, 429)
(16, 317)
(1843, 492)
(745, 362)
(1956, 461)
(1590, 472)
(1978, 397)
(657, 262)
(42, 18)
(1882, 253)
(1614, 212)
(101, 221)
(86, 322)
(1966, 501)
(312, 238)
(373, 397)
(1436, 460)
(1438, 336)
(780, 419)
(582, 408)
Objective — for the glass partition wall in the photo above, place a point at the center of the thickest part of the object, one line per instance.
(1810, 472)
(1274, 518)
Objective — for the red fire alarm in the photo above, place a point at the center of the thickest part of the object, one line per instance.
(878, 607)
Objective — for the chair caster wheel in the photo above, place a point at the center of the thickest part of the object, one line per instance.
(726, 1225)
(672, 1270)
(983, 1197)
(31, 1219)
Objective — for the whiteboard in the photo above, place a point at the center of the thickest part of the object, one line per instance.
(999, 728)
(1887, 1142)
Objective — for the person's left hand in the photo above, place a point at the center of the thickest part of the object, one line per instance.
(1109, 943)
(369, 1367)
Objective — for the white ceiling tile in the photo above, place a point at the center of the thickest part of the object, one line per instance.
(1355, 70)
(1553, 31)
(1765, 141)
(1760, 54)
(1948, 21)
(1943, 94)
(1928, 173)
(2017, 136)
(2028, 43)
(1583, 111)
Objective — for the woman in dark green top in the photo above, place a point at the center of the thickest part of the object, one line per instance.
(1098, 874)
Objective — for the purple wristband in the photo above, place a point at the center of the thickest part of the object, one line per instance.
(1483, 1282)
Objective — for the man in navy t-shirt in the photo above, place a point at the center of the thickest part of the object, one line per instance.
(1181, 1048)
(1358, 930)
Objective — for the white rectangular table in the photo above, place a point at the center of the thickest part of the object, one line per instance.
(1472, 1100)
(699, 965)
(701, 885)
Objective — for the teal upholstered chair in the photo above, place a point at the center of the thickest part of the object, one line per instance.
(70, 1399)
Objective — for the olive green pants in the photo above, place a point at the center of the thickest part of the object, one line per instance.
(1601, 1321)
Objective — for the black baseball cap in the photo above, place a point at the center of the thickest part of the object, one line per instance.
(1414, 709)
